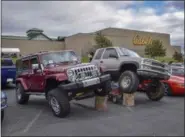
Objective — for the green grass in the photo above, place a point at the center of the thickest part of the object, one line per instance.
(85, 59)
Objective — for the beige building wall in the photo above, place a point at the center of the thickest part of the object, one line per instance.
(119, 37)
(32, 46)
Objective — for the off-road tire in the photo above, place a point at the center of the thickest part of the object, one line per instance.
(155, 91)
(63, 102)
(24, 98)
(104, 90)
(2, 115)
(132, 87)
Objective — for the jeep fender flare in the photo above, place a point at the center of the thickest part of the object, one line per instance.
(129, 63)
(22, 81)
(57, 77)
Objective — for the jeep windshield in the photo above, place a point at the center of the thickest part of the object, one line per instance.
(57, 58)
(127, 52)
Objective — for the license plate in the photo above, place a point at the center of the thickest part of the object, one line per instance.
(9, 80)
(91, 82)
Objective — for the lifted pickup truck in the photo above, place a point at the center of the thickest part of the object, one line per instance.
(60, 77)
(129, 69)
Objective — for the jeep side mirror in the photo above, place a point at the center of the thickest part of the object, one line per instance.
(113, 56)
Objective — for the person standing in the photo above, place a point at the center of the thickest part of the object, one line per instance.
(90, 56)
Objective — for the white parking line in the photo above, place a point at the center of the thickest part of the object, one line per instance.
(32, 122)
(130, 109)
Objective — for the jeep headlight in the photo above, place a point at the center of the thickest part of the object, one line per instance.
(97, 70)
(70, 73)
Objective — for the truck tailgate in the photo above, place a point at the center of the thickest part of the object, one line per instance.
(8, 72)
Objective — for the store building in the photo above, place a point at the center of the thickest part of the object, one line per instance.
(82, 43)
(131, 39)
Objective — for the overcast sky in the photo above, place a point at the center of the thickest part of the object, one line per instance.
(63, 18)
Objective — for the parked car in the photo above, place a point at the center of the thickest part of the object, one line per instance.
(174, 86)
(60, 77)
(3, 104)
(128, 69)
(8, 71)
(177, 64)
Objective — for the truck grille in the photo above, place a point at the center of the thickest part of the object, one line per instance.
(155, 66)
(158, 64)
(83, 73)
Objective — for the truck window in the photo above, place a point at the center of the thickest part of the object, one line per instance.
(99, 53)
(108, 52)
(6, 62)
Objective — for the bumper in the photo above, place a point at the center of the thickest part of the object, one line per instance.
(3, 107)
(79, 87)
(153, 74)
(176, 90)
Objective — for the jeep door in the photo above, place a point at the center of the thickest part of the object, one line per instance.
(36, 77)
(23, 71)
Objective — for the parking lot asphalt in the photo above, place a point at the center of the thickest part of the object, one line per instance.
(146, 118)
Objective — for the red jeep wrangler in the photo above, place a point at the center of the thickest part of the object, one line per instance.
(59, 76)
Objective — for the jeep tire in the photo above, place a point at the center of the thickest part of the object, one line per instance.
(155, 91)
(59, 102)
(104, 90)
(21, 97)
(128, 82)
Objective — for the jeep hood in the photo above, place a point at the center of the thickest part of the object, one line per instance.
(63, 68)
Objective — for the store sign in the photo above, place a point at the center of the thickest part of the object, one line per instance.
(141, 41)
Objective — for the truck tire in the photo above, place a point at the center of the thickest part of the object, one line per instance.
(105, 90)
(2, 115)
(21, 97)
(128, 82)
(59, 102)
(155, 91)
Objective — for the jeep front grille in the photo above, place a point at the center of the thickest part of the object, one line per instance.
(83, 73)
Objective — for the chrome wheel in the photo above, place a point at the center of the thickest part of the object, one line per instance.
(126, 81)
(18, 94)
(55, 105)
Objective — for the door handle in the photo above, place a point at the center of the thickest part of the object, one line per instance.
(101, 61)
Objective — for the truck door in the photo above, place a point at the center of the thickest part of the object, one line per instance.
(97, 57)
(111, 63)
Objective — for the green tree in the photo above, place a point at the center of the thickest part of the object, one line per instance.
(155, 49)
(178, 56)
(102, 41)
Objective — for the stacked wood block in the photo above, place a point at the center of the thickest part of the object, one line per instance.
(128, 99)
(101, 103)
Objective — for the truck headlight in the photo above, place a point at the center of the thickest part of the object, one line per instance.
(147, 62)
(146, 67)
